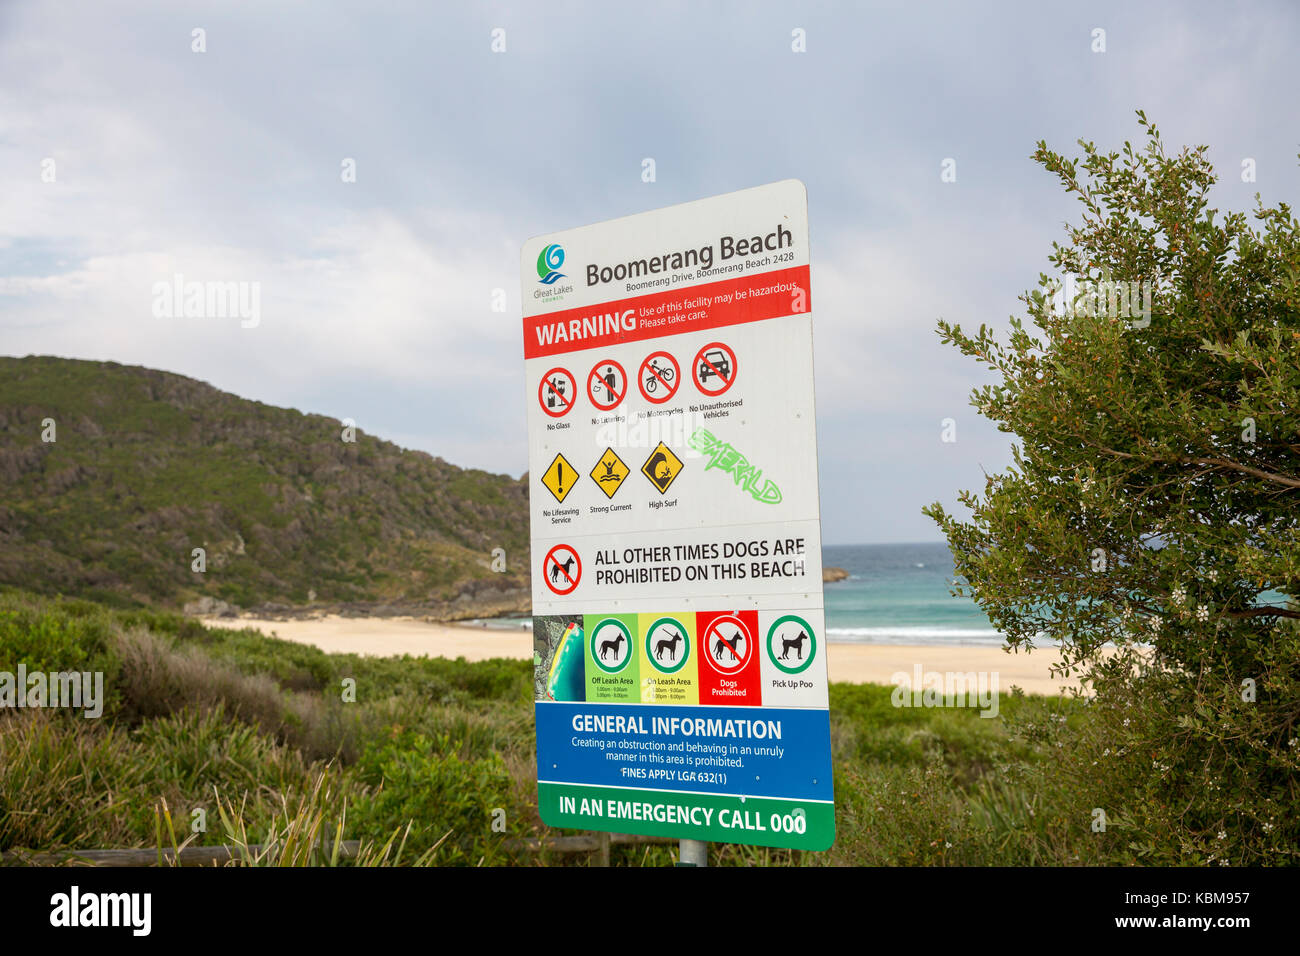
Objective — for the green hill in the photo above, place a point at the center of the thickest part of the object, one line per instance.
(147, 466)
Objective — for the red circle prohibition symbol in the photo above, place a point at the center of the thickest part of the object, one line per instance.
(742, 656)
(562, 576)
(657, 381)
(715, 360)
(594, 376)
(551, 399)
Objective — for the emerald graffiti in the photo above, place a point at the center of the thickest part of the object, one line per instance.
(745, 474)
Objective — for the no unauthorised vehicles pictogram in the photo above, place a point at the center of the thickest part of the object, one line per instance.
(562, 569)
(714, 368)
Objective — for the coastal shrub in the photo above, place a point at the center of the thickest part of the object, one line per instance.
(450, 801)
(1153, 504)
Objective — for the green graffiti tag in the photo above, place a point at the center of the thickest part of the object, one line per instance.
(723, 455)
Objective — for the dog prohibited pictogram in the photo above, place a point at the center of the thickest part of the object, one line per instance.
(609, 473)
(667, 645)
(560, 478)
(611, 645)
(562, 569)
(659, 377)
(606, 384)
(714, 368)
(727, 644)
(791, 644)
(556, 392)
(662, 467)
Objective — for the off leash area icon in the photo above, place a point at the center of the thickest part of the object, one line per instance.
(611, 645)
(559, 478)
(662, 467)
(609, 473)
(791, 644)
(562, 569)
(727, 645)
(659, 377)
(557, 392)
(606, 385)
(714, 368)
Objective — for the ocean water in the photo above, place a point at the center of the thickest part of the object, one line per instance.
(895, 594)
(899, 594)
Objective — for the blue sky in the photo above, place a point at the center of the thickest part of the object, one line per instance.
(376, 295)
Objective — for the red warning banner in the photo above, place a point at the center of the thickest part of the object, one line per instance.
(766, 295)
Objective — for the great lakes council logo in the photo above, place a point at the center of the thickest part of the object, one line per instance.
(549, 262)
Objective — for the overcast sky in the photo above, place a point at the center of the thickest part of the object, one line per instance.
(376, 295)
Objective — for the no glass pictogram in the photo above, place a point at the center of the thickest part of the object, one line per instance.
(562, 569)
(659, 378)
(606, 385)
(556, 392)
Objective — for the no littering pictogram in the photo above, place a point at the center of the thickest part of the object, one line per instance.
(606, 385)
(562, 569)
(714, 368)
(659, 378)
(556, 392)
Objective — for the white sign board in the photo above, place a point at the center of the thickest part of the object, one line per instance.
(676, 542)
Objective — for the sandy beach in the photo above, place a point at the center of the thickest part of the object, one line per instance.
(857, 663)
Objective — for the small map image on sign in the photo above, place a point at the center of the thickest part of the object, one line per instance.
(559, 670)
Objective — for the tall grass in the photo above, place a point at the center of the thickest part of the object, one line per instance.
(214, 737)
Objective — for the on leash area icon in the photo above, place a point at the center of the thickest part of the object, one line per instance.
(557, 392)
(609, 473)
(667, 645)
(559, 478)
(662, 467)
(606, 385)
(562, 569)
